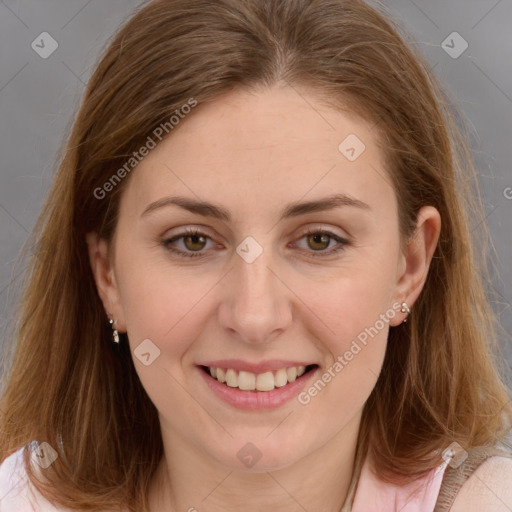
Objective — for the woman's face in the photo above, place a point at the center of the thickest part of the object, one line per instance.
(253, 293)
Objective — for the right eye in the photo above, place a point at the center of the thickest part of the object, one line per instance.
(193, 240)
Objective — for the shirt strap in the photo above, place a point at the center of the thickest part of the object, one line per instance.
(454, 477)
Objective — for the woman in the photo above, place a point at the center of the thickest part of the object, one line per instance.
(254, 285)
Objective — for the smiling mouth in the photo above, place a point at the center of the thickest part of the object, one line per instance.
(248, 381)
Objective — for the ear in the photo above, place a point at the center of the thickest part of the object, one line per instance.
(103, 272)
(415, 260)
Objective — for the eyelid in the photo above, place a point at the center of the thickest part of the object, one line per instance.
(173, 232)
(324, 229)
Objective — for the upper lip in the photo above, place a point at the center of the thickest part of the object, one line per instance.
(256, 368)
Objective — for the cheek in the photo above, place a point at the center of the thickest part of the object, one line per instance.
(353, 315)
(164, 304)
(353, 331)
(350, 305)
(172, 315)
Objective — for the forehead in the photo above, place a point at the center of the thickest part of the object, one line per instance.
(262, 146)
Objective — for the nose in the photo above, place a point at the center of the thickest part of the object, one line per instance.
(256, 305)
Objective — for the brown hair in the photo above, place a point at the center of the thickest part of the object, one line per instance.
(67, 385)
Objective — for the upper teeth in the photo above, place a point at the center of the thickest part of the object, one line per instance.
(248, 381)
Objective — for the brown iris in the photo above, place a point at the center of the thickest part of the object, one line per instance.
(318, 238)
(194, 239)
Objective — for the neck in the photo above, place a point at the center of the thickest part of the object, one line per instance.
(189, 480)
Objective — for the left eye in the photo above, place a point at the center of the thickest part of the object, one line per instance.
(195, 241)
(320, 239)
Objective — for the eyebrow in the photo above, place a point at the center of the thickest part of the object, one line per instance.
(296, 209)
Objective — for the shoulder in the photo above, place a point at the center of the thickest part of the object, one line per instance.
(16, 491)
(488, 488)
(13, 484)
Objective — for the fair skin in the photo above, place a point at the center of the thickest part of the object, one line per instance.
(253, 154)
(488, 488)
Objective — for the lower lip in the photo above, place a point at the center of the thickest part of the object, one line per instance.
(257, 400)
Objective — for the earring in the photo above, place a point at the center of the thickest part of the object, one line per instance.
(405, 309)
(115, 333)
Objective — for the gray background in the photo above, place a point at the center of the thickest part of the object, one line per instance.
(39, 97)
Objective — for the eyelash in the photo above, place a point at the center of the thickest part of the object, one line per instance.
(343, 242)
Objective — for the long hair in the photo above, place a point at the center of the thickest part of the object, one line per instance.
(68, 386)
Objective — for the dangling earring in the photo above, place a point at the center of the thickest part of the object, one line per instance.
(405, 309)
(115, 333)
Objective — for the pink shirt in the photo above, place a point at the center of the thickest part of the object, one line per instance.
(372, 495)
